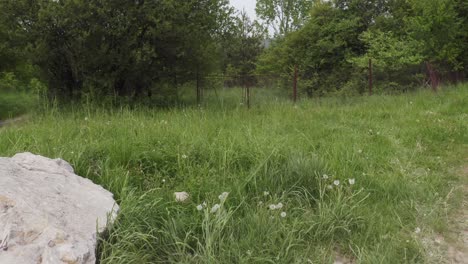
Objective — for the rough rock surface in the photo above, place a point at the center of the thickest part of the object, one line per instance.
(48, 214)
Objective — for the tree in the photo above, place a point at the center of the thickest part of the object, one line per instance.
(283, 16)
(319, 49)
(244, 46)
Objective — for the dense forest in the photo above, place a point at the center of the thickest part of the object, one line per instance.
(68, 49)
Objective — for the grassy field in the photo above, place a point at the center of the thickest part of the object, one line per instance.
(368, 179)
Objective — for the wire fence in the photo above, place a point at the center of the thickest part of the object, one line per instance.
(294, 86)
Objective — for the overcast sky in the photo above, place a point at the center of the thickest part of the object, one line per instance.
(249, 6)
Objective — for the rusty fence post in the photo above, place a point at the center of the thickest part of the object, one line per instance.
(371, 81)
(198, 88)
(433, 76)
(248, 96)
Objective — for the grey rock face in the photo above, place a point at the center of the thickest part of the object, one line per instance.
(48, 214)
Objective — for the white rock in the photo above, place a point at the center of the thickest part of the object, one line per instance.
(48, 214)
(181, 196)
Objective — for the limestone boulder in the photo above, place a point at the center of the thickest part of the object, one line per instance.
(48, 214)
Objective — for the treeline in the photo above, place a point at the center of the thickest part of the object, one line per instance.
(147, 48)
(410, 43)
(114, 46)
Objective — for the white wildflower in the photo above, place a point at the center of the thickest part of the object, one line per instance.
(223, 196)
(181, 196)
(199, 207)
(215, 208)
(352, 181)
(283, 214)
(279, 206)
(336, 182)
(272, 207)
(325, 177)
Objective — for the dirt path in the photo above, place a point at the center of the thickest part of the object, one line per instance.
(457, 250)
(11, 121)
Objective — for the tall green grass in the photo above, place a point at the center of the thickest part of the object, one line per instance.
(399, 150)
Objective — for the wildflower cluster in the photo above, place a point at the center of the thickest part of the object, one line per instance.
(337, 182)
(222, 198)
(274, 207)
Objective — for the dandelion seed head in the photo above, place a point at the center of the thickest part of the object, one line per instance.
(184, 156)
(199, 207)
(417, 230)
(223, 196)
(272, 207)
(336, 182)
(329, 187)
(279, 206)
(359, 151)
(265, 193)
(352, 181)
(283, 214)
(215, 208)
(325, 176)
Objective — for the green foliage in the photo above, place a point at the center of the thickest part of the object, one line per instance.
(127, 48)
(284, 16)
(389, 52)
(333, 48)
(243, 46)
(436, 25)
(320, 50)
